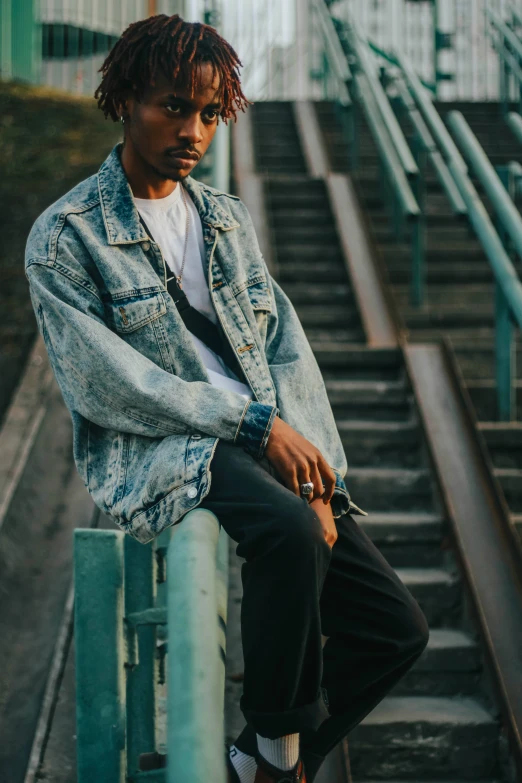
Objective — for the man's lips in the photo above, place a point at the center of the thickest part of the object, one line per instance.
(183, 155)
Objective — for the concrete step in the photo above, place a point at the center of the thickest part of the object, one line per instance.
(504, 441)
(297, 248)
(439, 294)
(437, 591)
(449, 316)
(477, 360)
(319, 293)
(355, 334)
(336, 315)
(483, 395)
(436, 250)
(511, 482)
(369, 400)
(390, 489)
(292, 269)
(385, 443)
(298, 216)
(450, 230)
(320, 234)
(351, 362)
(452, 272)
(425, 738)
(463, 338)
(449, 666)
(406, 540)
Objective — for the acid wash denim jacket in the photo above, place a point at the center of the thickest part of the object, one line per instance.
(146, 419)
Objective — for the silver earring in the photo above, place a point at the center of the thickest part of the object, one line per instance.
(122, 120)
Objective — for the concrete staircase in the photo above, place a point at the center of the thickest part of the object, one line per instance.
(460, 293)
(439, 723)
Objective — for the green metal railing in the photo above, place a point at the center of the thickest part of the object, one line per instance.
(508, 47)
(399, 169)
(432, 143)
(136, 607)
(514, 121)
(508, 297)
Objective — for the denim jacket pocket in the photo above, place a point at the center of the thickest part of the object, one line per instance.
(259, 296)
(126, 314)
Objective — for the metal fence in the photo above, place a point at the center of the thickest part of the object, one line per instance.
(62, 42)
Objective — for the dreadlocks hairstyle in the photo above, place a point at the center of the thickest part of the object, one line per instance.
(177, 48)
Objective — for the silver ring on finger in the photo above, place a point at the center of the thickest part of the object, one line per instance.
(307, 488)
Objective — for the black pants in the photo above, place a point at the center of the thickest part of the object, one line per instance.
(295, 589)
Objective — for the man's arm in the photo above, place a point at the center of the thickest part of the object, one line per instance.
(113, 385)
(301, 393)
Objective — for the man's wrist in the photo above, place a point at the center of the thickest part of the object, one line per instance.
(255, 427)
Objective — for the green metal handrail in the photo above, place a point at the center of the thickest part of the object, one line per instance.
(514, 120)
(336, 57)
(508, 46)
(432, 139)
(428, 144)
(401, 184)
(128, 598)
(508, 285)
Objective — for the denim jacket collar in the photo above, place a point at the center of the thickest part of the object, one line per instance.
(121, 217)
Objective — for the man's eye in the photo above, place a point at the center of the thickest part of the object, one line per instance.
(172, 108)
(211, 115)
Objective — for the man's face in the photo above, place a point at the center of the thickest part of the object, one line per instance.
(170, 129)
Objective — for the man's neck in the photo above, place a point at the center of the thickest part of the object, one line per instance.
(144, 181)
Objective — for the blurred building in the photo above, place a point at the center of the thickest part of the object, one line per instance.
(63, 42)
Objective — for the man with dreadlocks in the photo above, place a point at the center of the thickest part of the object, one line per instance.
(190, 381)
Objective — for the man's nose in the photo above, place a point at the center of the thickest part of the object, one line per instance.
(191, 130)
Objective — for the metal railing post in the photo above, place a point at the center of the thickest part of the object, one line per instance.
(196, 585)
(505, 358)
(418, 286)
(139, 582)
(99, 653)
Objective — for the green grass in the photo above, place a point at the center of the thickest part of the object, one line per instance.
(49, 141)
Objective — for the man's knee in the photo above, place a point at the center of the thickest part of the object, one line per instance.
(412, 629)
(299, 529)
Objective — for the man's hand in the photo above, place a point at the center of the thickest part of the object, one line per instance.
(298, 461)
(326, 516)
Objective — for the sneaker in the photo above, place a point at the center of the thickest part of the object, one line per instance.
(267, 773)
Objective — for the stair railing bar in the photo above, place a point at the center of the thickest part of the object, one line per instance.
(508, 214)
(360, 48)
(136, 595)
(508, 46)
(508, 297)
(399, 170)
(333, 49)
(426, 139)
(514, 120)
(430, 114)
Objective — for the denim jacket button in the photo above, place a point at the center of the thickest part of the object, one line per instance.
(192, 492)
(145, 246)
(196, 437)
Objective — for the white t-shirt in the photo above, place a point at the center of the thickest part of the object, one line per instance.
(166, 219)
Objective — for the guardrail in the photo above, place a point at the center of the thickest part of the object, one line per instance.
(432, 141)
(514, 121)
(136, 607)
(401, 178)
(508, 47)
(508, 300)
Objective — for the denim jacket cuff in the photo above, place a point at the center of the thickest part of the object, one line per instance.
(255, 427)
(340, 502)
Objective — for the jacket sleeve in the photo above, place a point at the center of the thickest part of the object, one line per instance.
(301, 392)
(111, 384)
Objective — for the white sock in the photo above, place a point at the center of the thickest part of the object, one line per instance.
(282, 752)
(244, 764)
